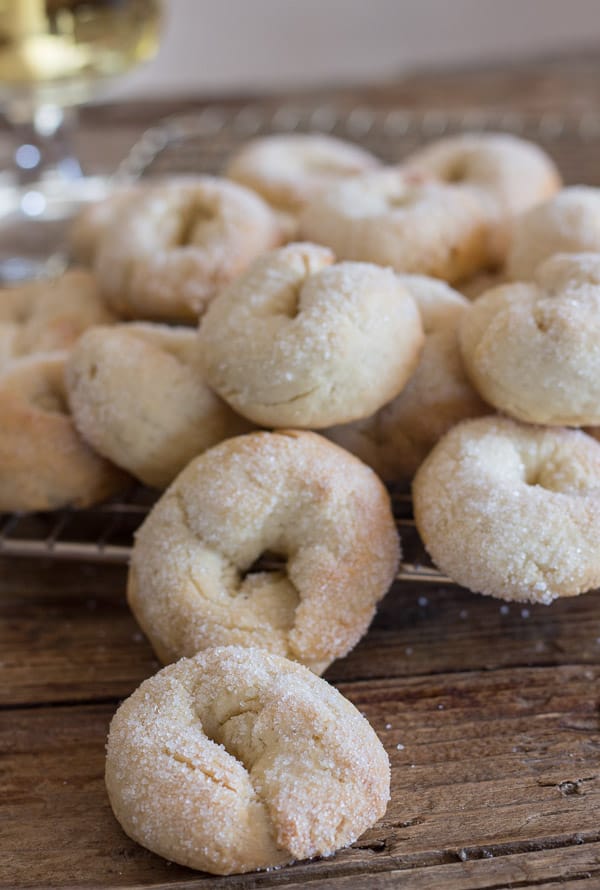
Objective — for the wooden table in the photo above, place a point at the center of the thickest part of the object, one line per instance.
(489, 712)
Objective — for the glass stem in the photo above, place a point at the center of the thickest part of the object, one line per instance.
(43, 143)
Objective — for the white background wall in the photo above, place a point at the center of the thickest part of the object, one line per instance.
(215, 46)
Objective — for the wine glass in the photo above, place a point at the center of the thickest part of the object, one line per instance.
(54, 55)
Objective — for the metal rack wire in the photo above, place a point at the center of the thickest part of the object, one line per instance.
(100, 534)
(200, 142)
(105, 534)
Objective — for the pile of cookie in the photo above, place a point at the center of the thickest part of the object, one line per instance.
(434, 320)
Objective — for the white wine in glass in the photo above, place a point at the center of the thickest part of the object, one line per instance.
(54, 55)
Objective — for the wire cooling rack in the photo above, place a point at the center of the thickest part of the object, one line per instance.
(201, 142)
(105, 534)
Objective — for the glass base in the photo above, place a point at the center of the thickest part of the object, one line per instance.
(35, 220)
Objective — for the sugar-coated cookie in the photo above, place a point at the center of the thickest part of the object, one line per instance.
(48, 315)
(398, 218)
(44, 463)
(508, 174)
(531, 348)
(288, 169)
(175, 244)
(300, 341)
(512, 510)
(137, 395)
(567, 223)
(238, 759)
(324, 514)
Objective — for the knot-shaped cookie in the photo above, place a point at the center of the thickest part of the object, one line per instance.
(44, 463)
(512, 510)
(403, 219)
(568, 223)
(238, 759)
(322, 513)
(531, 349)
(176, 244)
(288, 169)
(507, 174)
(138, 396)
(48, 315)
(300, 341)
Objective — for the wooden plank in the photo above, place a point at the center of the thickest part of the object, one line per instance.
(422, 629)
(574, 868)
(485, 765)
(66, 634)
(496, 782)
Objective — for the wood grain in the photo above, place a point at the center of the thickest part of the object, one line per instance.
(66, 634)
(495, 710)
(484, 767)
(490, 713)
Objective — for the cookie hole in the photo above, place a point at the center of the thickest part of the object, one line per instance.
(193, 219)
(51, 401)
(268, 587)
(269, 561)
(402, 199)
(532, 478)
(541, 476)
(233, 728)
(456, 172)
(93, 372)
(287, 301)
